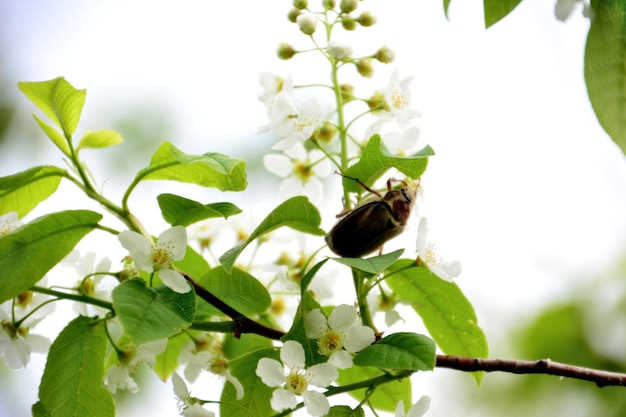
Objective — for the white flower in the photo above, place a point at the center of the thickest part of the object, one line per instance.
(300, 171)
(385, 303)
(119, 376)
(417, 410)
(8, 223)
(398, 98)
(340, 336)
(17, 343)
(189, 406)
(307, 23)
(90, 282)
(272, 84)
(296, 380)
(278, 98)
(339, 50)
(298, 126)
(149, 256)
(427, 253)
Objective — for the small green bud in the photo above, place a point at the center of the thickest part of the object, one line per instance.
(339, 51)
(307, 22)
(293, 15)
(285, 51)
(347, 92)
(300, 4)
(348, 6)
(329, 4)
(365, 68)
(366, 19)
(377, 101)
(349, 23)
(325, 133)
(385, 55)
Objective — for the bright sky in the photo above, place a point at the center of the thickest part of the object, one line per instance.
(525, 189)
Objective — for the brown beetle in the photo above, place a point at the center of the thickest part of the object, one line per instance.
(367, 227)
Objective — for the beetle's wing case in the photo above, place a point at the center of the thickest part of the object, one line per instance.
(363, 230)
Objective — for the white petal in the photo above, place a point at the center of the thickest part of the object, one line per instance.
(139, 248)
(322, 374)
(422, 237)
(358, 338)
(278, 164)
(180, 388)
(174, 280)
(38, 343)
(283, 400)
(399, 410)
(316, 403)
(238, 387)
(292, 354)
(176, 238)
(297, 151)
(313, 189)
(419, 408)
(271, 372)
(340, 359)
(16, 353)
(196, 410)
(315, 324)
(342, 317)
(446, 270)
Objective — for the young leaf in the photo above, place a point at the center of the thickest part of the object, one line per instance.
(181, 211)
(605, 67)
(30, 251)
(446, 312)
(167, 361)
(399, 351)
(61, 102)
(54, 135)
(148, 314)
(256, 397)
(345, 411)
(374, 265)
(100, 139)
(297, 213)
(376, 160)
(385, 397)
(208, 170)
(238, 289)
(71, 385)
(495, 10)
(23, 191)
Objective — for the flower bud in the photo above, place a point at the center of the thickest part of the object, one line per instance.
(365, 68)
(325, 133)
(366, 19)
(347, 92)
(300, 4)
(339, 51)
(376, 101)
(329, 4)
(348, 6)
(307, 23)
(285, 51)
(293, 14)
(349, 23)
(385, 55)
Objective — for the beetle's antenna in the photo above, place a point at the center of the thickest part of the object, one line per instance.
(361, 183)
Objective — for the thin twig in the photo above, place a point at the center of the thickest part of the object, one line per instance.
(542, 366)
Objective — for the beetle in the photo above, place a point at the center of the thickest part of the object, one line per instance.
(368, 226)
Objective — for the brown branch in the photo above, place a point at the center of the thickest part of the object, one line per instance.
(243, 324)
(543, 366)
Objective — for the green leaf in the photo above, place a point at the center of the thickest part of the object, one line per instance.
(399, 351)
(71, 385)
(345, 411)
(247, 342)
(193, 263)
(495, 10)
(167, 361)
(23, 191)
(208, 170)
(100, 139)
(446, 312)
(30, 251)
(181, 211)
(374, 265)
(297, 213)
(148, 314)
(308, 277)
(238, 289)
(256, 398)
(61, 102)
(385, 397)
(605, 67)
(54, 136)
(376, 160)
(446, 7)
